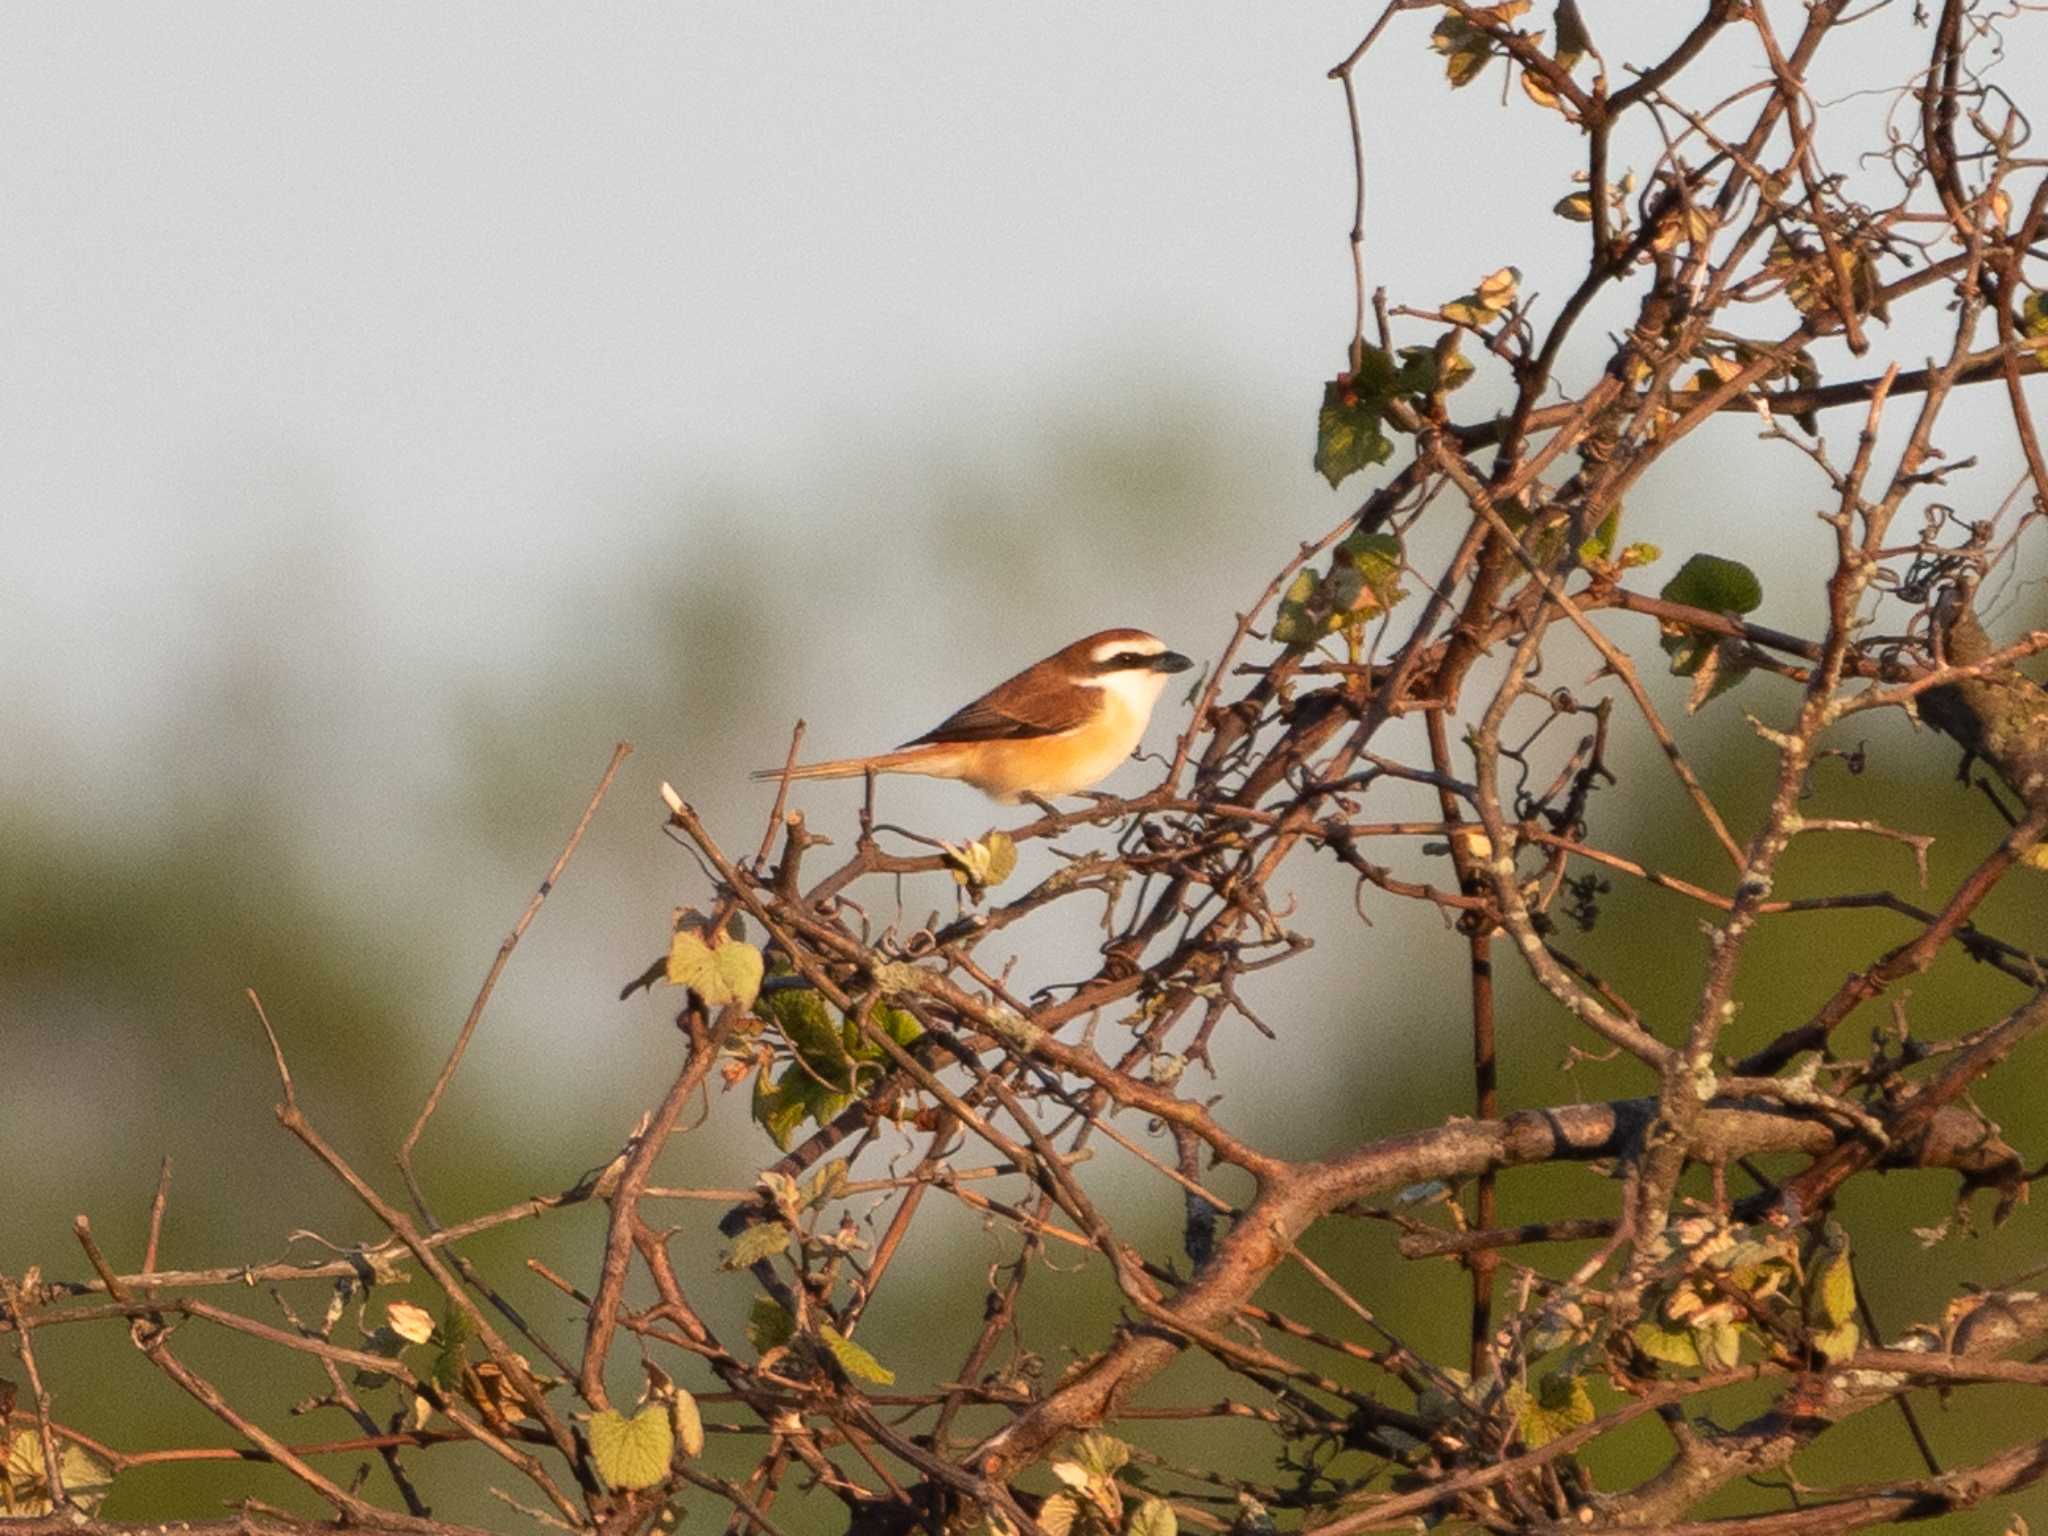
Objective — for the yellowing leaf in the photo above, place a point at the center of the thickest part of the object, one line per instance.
(729, 973)
(826, 1179)
(1559, 1405)
(25, 1490)
(1497, 289)
(1719, 1344)
(635, 1452)
(1576, 206)
(1639, 554)
(2034, 314)
(1834, 1290)
(1154, 1517)
(1836, 1344)
(854, 1360)
(981, 864)
(1673, 1346)
(1002, 857)
(1056, 1514)
(1103, 1455)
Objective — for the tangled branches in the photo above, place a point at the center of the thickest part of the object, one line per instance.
(903, 1064)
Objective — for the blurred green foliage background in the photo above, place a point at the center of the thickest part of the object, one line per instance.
(351, 513)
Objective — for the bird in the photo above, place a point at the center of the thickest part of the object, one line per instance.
(1060, 725)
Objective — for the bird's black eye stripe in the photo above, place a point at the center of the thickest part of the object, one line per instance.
(1123, 659)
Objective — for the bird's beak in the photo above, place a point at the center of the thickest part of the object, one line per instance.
(1170, 661)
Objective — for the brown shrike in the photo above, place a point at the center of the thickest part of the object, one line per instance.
(1056, 727)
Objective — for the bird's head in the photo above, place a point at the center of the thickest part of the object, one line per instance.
(1127, 663)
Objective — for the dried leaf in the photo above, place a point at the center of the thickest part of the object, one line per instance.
(687, 1420)
(411, 1322)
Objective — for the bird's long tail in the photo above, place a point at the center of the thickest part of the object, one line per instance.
(923, 759)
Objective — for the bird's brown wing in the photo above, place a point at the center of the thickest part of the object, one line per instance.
(1014, 711)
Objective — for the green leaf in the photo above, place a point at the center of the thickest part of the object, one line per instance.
(1296, 626)
(454, 1334)
(1673, 1346)
(635, 1452)
(1348, 434)
(796, 1097)
(687, 1421)
(768, 1326)
(379, 1341)
(1376, 558)
(1720, 586)
(1715, 584)
(763, 1240)
(1601, 540)
(854, 1360)
(1559, 1404)
(776, 1112)
(1154, 1517)
(729, 973)
(808, 1024)
(899, 1024)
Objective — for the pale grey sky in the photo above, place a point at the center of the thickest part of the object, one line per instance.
(427, 288)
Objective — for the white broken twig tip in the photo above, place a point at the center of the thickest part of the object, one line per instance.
(671, 799)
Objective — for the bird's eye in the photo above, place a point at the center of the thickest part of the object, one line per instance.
(1129, 659)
